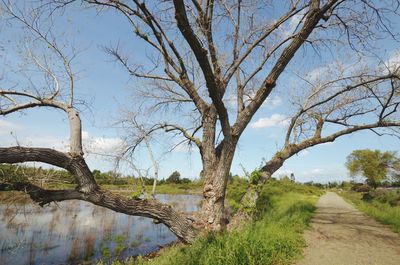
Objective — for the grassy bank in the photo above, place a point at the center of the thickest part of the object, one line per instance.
(170, 188)
(127, 190)
(284, 211)
(384, 212)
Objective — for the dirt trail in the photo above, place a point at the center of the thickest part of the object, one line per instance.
(341, 235)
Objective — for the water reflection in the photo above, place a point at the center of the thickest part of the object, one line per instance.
(76, 232)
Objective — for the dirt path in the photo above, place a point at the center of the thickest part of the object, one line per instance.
(341, 235)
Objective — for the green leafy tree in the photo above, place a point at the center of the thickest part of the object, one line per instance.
(175, 177)
(374, 165)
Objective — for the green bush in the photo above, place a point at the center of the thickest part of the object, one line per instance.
(392, 197)
(255, 176)
(359, 187)
(236, 189)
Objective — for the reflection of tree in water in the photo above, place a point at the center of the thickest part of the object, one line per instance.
(32, 250)
(8, 214)
(75, 231)
(72, 226)
(74, 252)
(90, 242)
(70, 207)
(127, 229)
(10, 217)
(55, 219)
(11, 210)
(141, 228)
(107, 226)
(161, 231)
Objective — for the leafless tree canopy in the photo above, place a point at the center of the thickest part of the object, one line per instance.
(217, 62)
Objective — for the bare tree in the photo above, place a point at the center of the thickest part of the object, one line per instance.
(206, 53)
(55, 96)
(130, 123)
(210, 52)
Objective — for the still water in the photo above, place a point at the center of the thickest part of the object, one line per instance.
(76, 232)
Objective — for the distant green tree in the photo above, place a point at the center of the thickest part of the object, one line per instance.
(374, 165)
(285, 178)
(175, 177)
(185, 180)
(97, 174)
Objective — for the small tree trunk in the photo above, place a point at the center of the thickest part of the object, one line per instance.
(249, 200)
(75, 135)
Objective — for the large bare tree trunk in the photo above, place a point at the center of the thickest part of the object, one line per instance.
(217, 162)
(214, 189)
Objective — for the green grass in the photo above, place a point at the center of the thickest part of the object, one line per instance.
(127, 190)
(383, 212)
(236, 190)
(275, 238)
(184, 188)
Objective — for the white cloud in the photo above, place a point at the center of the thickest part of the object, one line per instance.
(33, 140)
(85, 135)
(317, 171)
(303, 153)
(336, 69)
(393, 63)
(325, 174)
(294, 21)
(272, 102)
(323, 71)
(101, 145)
(314, 74)
(45, 141)
(7, 127)
(283, 172)
(314, 172)
(275, 120)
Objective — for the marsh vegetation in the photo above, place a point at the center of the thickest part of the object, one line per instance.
(73, 232)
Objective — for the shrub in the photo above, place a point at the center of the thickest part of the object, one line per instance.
(255, 176)
(391, 197)
(358, 187)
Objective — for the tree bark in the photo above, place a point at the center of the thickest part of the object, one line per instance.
(75, 128)
(216, 167)
(214, 190)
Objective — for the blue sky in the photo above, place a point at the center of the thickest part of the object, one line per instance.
(107, 89)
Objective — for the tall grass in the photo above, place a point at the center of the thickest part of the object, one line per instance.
(275, 238)
(383, 212)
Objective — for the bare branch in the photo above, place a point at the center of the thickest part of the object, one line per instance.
(215, 88)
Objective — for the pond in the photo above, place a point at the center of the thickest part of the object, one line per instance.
(76, 232)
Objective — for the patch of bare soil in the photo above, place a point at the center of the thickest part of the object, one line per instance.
(341, 235)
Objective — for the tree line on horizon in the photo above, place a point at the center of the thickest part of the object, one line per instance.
(376, 168)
